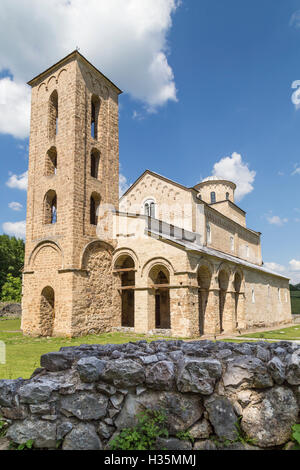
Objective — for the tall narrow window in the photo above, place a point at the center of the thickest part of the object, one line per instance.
(149, 208)
(227, 196)
(253, 296)
(279, 296)
(95, 108)
(232, 243)
(208, 233)
(53, 115)
(50, 207)
(94, 206)
(212, 197)
(95, 160)
(247, 251)
(51, 162)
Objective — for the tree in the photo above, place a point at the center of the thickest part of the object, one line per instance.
(11, 258)
(12, 289)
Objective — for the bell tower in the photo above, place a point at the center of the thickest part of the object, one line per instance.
(73, 170)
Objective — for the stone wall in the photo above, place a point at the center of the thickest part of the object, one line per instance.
(83, 396)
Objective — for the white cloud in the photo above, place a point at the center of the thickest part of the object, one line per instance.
(294, 265)
(295, 19)
(234, 169)
(275, 267)
(276, 220)
(126, 40)
(14, 108)
(18, 181)
(18, 229)
(123, 184)
(296, 171)
(15, 206)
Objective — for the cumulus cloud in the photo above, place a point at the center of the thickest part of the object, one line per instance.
(275, 267)
(18, 181)
(17, 229)
(126, 40)
(276, 220)
(294, 265)
(296, 171)
(14, 108)
(234, 169)
(295, 19)
(15, 206)
(123, 184)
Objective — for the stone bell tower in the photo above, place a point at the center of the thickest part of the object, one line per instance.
(73, 170)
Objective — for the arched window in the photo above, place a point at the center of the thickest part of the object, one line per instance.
(232, 243)
(95, 109)
(149, 208)
(50, 207)
(51, 162)
(95, 160)
(212, 197)
(227, 196)
(53, 115)
(94, 206)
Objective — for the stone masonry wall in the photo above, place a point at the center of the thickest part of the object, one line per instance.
(84, 395)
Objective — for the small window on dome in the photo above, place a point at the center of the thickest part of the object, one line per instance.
(212, 197)
(227, 196)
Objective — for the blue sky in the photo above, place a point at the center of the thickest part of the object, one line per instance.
(220, 85)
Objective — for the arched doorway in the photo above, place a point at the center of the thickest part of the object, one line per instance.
(237, 288)
(161, 280)
(47, 311)
(204, 279)
(223, 279)
(126, 269)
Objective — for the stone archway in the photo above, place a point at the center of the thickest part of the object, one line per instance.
(204, 280)
(47, 311)
(125, 267)
(160, 278)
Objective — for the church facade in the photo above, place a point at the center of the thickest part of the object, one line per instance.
(164, 258)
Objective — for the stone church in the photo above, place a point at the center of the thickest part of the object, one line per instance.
(164, 258)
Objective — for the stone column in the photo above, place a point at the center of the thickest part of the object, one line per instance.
(144, 310)
(184, 311)
(241, 317)
(212, 310)
(229, 308)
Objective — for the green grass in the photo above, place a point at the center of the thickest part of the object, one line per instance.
(283, 333)
(23, 352)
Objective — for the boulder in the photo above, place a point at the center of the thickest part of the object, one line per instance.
(90, 368)
(198, 375)
(247, 371)
(201, 429)
(222, 417)
(37, 392)
(84, 405)
(276, 369)
(43, 433)
(181, 411)
(8, 390)
(123, 373)
(269, 422)
(82, 437)
(56, 361)
(160, 376)
(172, 443)
(293, 369)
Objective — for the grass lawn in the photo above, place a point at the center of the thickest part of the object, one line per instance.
(23, 352)
(284, 333)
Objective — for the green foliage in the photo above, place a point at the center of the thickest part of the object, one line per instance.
(28, 445)
(11, 289)
(142, 436)
(11, 258)
(3, 428)
(296, 436)
(241, 436)
(185, 436)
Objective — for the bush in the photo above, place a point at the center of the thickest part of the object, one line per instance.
(12, 289)
(142, 436)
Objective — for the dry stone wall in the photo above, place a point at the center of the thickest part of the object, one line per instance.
(84, 396)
